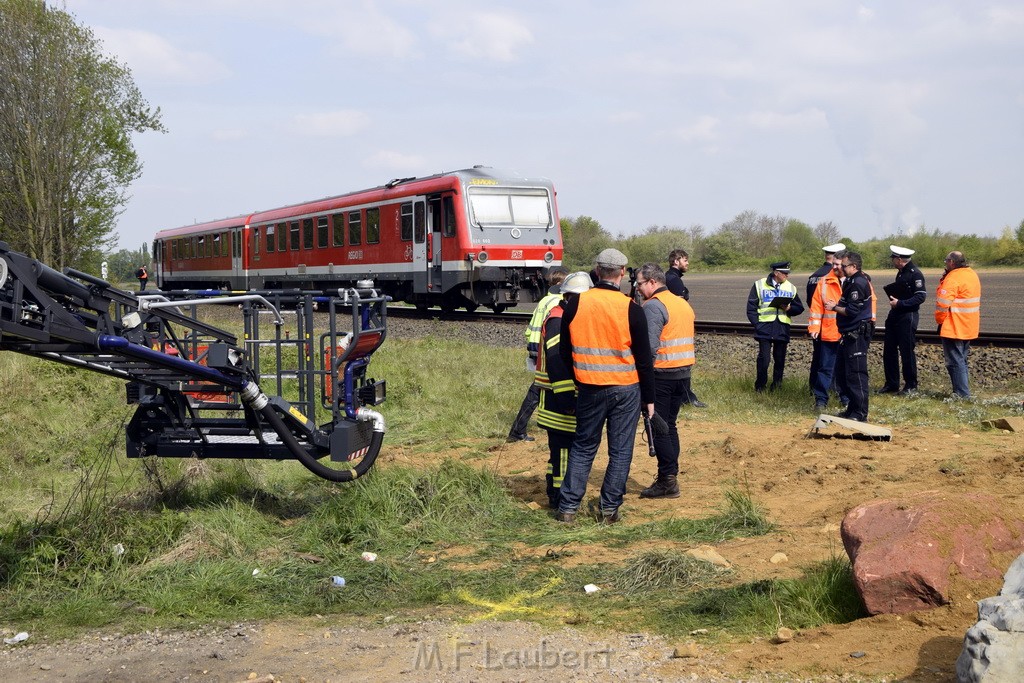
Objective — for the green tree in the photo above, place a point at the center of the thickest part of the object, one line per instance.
(67, 113)
(1020, 232)
(799, 245)
(582, 238)
(123, 263)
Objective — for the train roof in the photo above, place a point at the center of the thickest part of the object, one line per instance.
(394, 187)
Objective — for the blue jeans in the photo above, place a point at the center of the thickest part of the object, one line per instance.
(827, 352)
(619, 407)
(955, 352)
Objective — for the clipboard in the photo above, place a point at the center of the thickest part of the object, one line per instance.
(893, 289)
(780, 302)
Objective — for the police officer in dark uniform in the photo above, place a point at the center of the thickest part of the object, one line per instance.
(906, 295)
(812, 284)
(853, 317)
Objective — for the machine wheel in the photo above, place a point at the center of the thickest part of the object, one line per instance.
(499, 308)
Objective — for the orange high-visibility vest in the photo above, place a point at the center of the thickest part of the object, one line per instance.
(958, 304)
(821, 321)
(601, 343)
(675, 346)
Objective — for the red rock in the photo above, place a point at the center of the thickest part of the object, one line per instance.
(903, 550)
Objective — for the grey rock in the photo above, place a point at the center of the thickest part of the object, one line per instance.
(993, 649)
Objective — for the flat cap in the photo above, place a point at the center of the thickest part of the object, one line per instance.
(781, 266)
(611, 257)
(833, 248)
(900, 252)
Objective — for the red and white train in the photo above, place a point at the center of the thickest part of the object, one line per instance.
(459, 239)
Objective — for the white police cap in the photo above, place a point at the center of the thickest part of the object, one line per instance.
(901, 252)
(833, 248)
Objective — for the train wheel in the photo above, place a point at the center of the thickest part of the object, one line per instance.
(499, 308)
(448, 307)
(471, 308)
(422, 306)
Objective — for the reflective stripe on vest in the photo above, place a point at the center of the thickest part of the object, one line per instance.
(540, 314)
(675, 345)
(601, 341)
(767, 313)
(540, 377)
(958, 304)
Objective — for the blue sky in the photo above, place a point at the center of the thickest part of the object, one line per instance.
(877, 116)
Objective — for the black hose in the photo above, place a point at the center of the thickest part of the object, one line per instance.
(314, 465)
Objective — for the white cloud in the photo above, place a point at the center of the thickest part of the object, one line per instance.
(150, 55)
(395, 161)
(704, 129)
(865, 13)
(484, 35)
(341, 123)
(799, 120)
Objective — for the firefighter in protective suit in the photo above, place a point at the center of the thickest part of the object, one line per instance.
(556, 412)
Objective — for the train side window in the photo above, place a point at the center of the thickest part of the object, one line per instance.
(282, 237)
(338, 220)
(202, 247)
(293, 233)
(448, 227)
(355, 227)
(256, 242)
(321, 231)
(224, 244)
(216, 245)
(307, 233)
(373, 226)
(269, 230)
(419, 228)
(407, 221)
(174, 250)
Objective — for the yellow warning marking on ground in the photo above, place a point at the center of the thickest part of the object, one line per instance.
(513, 604)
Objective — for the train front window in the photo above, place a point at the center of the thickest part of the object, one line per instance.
(519, 207)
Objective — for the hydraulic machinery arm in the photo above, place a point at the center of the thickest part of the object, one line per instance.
(197, 388)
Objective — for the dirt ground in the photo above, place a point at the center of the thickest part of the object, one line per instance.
(806, 484)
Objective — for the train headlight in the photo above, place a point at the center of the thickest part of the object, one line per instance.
(482, 257)
(549, 257)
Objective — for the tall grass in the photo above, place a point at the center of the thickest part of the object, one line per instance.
(91, 538)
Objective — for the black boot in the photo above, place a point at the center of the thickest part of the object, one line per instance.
(663, 487)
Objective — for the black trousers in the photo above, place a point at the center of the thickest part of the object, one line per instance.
(770, 351)
(900, 338)
(812, 376)
(671, 394)
(852, 364)
(559, 444)
(530, 403)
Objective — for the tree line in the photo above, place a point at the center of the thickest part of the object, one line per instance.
(752, 241)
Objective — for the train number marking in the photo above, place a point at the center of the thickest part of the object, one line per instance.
(517, 253)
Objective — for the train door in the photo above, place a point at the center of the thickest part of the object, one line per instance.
(420, 259)
(435, 219)
(237, 279)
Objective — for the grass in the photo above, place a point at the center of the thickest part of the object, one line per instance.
(449, 537)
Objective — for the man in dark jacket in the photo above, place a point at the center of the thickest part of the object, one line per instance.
(771, 306)
(679, 263)
(853, 318)
(905, 296)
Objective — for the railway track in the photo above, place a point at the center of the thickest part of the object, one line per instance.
(924, 336)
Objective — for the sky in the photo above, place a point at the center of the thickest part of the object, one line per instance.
(882, 117)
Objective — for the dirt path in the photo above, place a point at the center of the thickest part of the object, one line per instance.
(806, 485)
